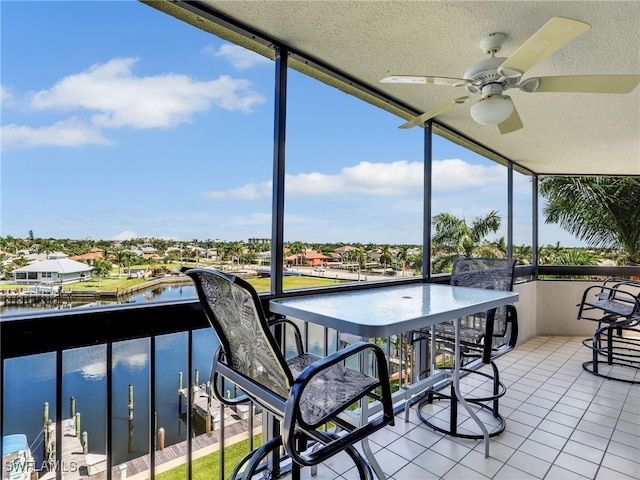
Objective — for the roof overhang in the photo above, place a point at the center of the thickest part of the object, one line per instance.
(352, 45)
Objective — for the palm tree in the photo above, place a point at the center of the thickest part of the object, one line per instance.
(196, 250)
(233, 250)
(453, 237)
(523, 254)
(417, 261)
(573, 256)
(601, 211)
(160, 245)
(403, 256)
(47, 245)
(297, 248)
(385, 256)
(491, 249)
(129, 258)
(360, 256)
(120, 257)
(101, 268)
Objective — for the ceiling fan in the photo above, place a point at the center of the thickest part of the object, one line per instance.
(489, 78)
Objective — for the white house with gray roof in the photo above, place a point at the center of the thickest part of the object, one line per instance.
(57, 268)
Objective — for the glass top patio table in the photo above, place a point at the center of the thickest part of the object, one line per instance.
(389, 310)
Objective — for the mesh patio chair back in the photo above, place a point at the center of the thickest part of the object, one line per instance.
(492, 274)
(480, 334)
(242, 330)
(304, 392)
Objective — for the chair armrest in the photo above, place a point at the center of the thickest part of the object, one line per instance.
(611, 300)
(292, 407)
(215, 375)
(296, 331)
(253, 390)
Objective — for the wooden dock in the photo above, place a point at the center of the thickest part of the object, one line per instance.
(28, 297)
(74, 462)
(76, 465)
(175, 455)
(236, 427)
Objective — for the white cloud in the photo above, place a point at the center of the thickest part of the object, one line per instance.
(125, 100)
(6, 96)
(456, 174)
(239, 57)
(126, 235)
(68, 133)
(401, 178)
(250, 191)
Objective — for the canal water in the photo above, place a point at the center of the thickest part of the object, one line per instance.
(29, 382)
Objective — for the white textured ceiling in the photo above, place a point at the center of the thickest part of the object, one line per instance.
(564, 133)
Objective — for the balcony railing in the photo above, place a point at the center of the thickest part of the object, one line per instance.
(59, 333)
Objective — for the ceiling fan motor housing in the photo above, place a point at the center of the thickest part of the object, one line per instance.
(485, 71)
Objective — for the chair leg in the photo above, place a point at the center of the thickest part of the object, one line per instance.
(372, 460)
(596, 351)
(496, 390)
(407, 405)
(253, 459)
(453, 417)
(610, 345)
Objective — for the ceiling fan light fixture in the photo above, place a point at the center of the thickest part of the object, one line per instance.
(492, 109)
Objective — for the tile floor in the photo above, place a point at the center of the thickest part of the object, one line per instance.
(561, 423)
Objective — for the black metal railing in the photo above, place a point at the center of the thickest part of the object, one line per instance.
(58, 331)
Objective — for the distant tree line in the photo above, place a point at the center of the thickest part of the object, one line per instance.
(603, 212)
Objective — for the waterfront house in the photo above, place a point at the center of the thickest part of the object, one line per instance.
(57, 268)
(309, 257)
(90, 257)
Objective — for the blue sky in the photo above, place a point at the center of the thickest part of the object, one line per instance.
(111, 131)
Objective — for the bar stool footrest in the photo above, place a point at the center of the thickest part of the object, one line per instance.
(488, 403)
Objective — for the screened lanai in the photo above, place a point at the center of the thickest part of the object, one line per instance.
(562, 421)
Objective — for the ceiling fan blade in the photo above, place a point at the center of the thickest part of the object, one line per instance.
(553, 35)
(511, 124)
(419, 120)
(448, 81)
(584, 84)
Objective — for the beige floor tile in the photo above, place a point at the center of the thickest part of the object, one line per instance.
(561, 423)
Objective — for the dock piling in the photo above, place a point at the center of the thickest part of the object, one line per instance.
(161, 438)
(179, 389)
(45, 414)
(130, 401)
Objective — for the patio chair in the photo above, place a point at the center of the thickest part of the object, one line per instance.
(482, 337)
(615, 306)
(312, 398)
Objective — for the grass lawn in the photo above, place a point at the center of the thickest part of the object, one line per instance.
(208, 467)
(119, 281)
(292, 282)
(107, 284)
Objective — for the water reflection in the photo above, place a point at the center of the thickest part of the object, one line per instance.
(30, 382)
(157, 294)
